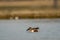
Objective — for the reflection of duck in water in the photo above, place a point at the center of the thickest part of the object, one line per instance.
(33, 29)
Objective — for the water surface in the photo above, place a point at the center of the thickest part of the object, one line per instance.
(16, 29)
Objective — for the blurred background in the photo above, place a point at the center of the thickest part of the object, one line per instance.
(11, 9)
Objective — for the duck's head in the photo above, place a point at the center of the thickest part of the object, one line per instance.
(28, 28)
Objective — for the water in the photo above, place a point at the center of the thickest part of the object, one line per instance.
(16, 29)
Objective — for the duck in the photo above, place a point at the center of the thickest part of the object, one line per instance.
(30, 29)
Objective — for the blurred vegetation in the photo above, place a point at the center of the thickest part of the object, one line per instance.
(32, 15)
(28, 7)
(29, 16)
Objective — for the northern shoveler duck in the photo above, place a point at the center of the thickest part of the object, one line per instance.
(30, 29)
